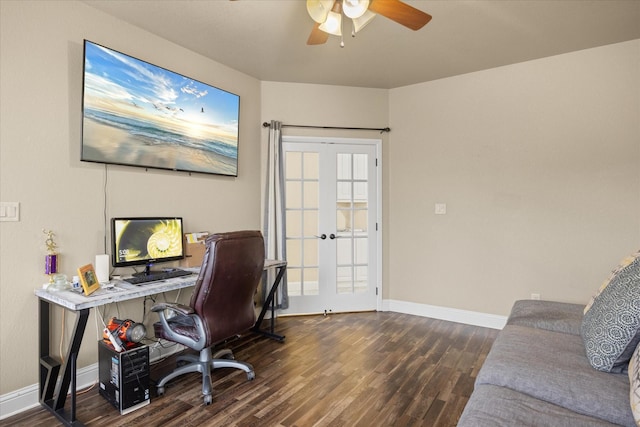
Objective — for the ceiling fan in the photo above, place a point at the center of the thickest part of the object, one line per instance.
(328, 16)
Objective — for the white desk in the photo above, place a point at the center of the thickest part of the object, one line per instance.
(53, 391)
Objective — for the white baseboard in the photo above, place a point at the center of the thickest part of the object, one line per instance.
(28, 397)
(475, 318)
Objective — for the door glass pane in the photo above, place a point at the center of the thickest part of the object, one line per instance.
(310, 221)
(311, 166)
(294, 223)
(344, 166)
(344, 284)
(294, 282)
(343, 248)
(343, 220)
(360, 220)
(344, 191)
(294, 253)
(293, 165)
(310, 194)
(293, 191)
(310, 252)
(361, 279)
(311, 285)
(360, 191)
(360, 166)
(361, 250)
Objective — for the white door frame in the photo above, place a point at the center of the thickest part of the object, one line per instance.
(378, 146)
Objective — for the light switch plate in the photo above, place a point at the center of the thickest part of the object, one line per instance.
(9, 211)
(440, 209)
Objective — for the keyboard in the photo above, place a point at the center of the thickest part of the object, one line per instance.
(154, 277)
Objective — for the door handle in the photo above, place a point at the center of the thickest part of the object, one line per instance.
(322, 236)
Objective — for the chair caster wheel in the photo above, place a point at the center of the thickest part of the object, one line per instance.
(208, 400)
(160, 391)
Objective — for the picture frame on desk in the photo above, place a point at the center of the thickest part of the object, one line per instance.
(88, 279)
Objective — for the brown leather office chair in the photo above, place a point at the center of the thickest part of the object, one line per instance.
(221, 307)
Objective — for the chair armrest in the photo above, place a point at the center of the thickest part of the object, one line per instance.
(183, 313)
(180, 308)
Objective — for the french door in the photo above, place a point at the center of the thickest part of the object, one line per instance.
(332, 226)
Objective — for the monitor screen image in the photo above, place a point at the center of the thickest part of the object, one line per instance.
(146, 241)
(138, 114)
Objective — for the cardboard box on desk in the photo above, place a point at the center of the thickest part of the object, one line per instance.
(194, 249)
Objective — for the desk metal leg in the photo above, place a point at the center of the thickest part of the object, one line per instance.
(270, 303)
(54, 401)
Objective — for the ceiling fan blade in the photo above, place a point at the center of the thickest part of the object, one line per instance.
(317, 36)
(400, 12)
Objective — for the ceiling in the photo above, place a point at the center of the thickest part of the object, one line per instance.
(266, 39)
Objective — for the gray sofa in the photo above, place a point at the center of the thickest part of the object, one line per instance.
(537, 374)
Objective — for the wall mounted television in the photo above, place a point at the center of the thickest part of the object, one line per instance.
(139, 114)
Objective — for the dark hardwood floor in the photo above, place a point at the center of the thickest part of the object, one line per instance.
(356, 369)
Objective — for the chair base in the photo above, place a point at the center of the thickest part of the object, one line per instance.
(204, 364)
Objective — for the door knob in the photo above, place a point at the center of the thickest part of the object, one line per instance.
(322, 236)
(332, 236)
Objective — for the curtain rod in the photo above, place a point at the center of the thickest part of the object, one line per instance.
(382, 130)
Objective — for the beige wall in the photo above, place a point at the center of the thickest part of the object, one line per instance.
(40, 112)
(539, 165)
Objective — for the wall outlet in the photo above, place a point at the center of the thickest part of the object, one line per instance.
(535, 296)
(440, 209)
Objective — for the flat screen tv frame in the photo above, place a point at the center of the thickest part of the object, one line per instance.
(138, 114)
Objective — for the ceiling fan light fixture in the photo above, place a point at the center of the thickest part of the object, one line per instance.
(319, 9)
(355, 8)
(362, 21)
(333, 24)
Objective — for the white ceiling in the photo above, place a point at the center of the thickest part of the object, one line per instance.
(266, 39)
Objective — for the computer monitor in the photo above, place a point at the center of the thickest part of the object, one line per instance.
(146, 241)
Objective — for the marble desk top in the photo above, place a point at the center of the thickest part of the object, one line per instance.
(123, 291)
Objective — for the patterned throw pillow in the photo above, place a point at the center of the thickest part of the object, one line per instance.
(634, 381)
(625, 262)
(611, 327)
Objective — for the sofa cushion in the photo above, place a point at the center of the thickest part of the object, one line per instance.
(625, 262)
(611, 327)
(634, 381)
(550, 315)
(493, 406)
(552, 366)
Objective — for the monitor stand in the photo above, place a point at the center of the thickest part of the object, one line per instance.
(147, 271)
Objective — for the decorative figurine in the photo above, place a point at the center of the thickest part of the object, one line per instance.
(51, 259)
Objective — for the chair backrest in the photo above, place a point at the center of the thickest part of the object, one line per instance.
(224, 293)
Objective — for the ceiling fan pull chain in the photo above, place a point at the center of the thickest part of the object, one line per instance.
(341, 34)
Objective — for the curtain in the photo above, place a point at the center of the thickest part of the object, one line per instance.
(274, 214)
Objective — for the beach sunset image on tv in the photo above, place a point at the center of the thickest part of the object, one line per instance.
(139, 114)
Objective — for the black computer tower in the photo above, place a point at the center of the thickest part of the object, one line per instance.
(124, 376)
